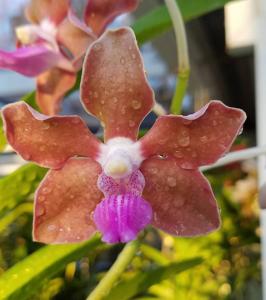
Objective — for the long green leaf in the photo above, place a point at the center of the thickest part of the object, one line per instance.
(158, 20)
(17, 186)
(26, 277)
(143, 280)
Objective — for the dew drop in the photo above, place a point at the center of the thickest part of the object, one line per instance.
(133, 55)
(204, 139)
(96, 95)
(184, 140)
(46, 126)
(61, 229)
(97, 46)
(40, 210)
(102, 102)
(46, 190)
(171, 181)
(153, 170)
(214, 123)
(75, 121)
(122, 60)
(51, 227)
(123, 110)
(115, 100)
(179, 154)
(42, 148)
(194, 154)
(186, 121)
(136, 104)
(131, 123)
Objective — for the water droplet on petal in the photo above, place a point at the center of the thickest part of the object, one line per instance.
(122, 60)
(133, 55)
(131, 123)
(136, 104)
(96, 95)
(171, 181)
(214, 123)
(115, 100)
(97, 46)
(40, 210)
(51, 227)
(204, 139)
(179, 154)
(46, 126)
(184, 140)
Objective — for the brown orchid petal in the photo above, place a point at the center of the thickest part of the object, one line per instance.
(182, 200)
(54, 10)
(114, 87)
(48, 141)
(75, 37)
(99, 13)
(51, 88)
(65, 201)
(195, 140)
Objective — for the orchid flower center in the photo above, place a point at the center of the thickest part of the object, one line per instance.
(46, 30)
(120, 157)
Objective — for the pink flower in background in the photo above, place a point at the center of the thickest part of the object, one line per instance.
(53, 45)
(125, 184)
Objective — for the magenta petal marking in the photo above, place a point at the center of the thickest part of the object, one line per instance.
(121, 217)
(29, 61)
(134, 184)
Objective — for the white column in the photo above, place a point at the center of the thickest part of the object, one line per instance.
(260, 79)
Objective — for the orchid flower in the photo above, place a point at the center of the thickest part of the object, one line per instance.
(53, 46)
(121, 186)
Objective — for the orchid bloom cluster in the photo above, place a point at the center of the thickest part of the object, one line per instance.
(121, 186)
(52, 47)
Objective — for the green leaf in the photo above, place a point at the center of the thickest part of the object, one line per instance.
(26, 277)
(8, 219)
(143, 280)
(17, 186)
(158, 20)
(3, 140)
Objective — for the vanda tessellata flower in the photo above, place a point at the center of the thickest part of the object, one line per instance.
(125, 184)
(52, 47)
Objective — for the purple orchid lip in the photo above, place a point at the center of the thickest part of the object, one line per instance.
(121, 217)
(30, 60)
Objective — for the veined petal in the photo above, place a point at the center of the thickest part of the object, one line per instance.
(114, 87)
(65, 201)
(121, 217)
(182, 200)
(54, 10)
(195, 140)
(48, 141)
(99, 13)
(30, 60)
(51, 88)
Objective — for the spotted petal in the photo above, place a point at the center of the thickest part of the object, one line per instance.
(195, 140)
(29, 61)
(48, 141)
(99, 13)
(51, 88)
(182, 200)
(114, 87)
(65, 201)
(54, 10)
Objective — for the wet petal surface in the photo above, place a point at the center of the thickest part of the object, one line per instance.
(182, 200)
(51, 88)
(29, 61)
(48, 141)
(99, 13)
(114, 87)
(65, 201)
(121, 217)
(195, 140)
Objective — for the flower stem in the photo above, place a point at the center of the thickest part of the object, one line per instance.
(236, 156)
(124, 258)
(182, 56)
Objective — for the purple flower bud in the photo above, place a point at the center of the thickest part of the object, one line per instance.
(121, 217)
